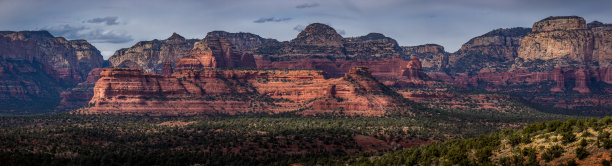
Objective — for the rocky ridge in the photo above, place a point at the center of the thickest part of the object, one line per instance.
(36, 66)
(150, 55)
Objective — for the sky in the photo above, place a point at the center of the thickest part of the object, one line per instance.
(113, 24)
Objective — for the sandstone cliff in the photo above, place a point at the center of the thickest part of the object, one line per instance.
(433, 56)
(149, 55)
(79, 95)
(35, 67)
(320, 47)
(560, 56)
(215, 53)
(214, 91)
(494, 50)
(372, 45)
(242, 41)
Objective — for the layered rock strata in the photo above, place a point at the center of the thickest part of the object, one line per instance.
(433, 56)
(36, 66)
(215, 53)
(150, 55)
(213, 91)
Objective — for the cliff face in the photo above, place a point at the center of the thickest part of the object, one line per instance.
(561, 55)
(373, 45)
(556, 38)
(215, 53)
(35, 67)
(121, 90)
(494, 50)
(80, 95)
(150, 55)
(320, 47)
(241, 41)
(433, 56)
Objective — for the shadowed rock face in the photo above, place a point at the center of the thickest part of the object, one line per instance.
(414, 70)
(123, 90)
(241, 41)
(560, 56)
(432, 56)
(215, 53)
(35, 67)
(320, 47)
(494, 50)
(150, 55)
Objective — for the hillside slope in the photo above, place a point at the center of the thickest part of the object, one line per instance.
(571, 142)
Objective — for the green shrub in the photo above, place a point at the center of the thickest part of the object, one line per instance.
(581, 153)
(568, 137)
(552, 153)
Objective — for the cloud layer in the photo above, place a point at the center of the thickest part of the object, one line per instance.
(93, 35)
(271, 19)
(106, 20)
(307, 5)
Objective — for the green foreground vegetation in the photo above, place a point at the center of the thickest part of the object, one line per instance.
(254, 139)
(570, 142)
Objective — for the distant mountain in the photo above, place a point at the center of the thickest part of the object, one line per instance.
(150, 55)
(36, 66)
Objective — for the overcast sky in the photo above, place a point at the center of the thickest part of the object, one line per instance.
(113, 24)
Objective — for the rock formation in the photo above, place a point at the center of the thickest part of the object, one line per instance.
(211, 91)
(149, 55)
(493, 50)
(35, 67)
(414, 70)
(560, 55)
(167, 69)
(433, 56)
(320, 47)
(557, 38)
(80, 95)
(242, 41)
(372, 45)
(215, 53)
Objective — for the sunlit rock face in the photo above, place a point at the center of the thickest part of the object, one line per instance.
(218, 91)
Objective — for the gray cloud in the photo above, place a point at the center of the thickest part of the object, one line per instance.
(91, 35)
(307, 5)
(272, 19)
(106, 20)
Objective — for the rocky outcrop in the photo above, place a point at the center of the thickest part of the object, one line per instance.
(559, 57)
(35, 66)
(494, 50)
(215, 53)
(414, 70)
(80, 95)
(242, 41)
(372, 45)
(316, 40)
(602, 44)
(213, 91)
(149, 55)
(433, 56)
(558, 38)
(320, 47)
